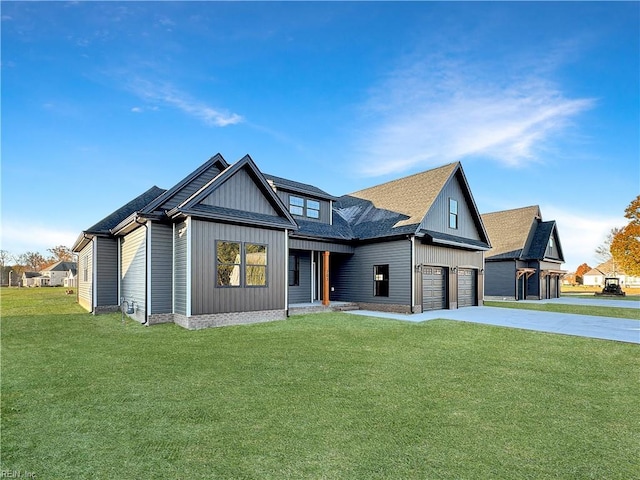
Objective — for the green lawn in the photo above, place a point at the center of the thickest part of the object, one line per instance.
(318, 396)
(594, 310)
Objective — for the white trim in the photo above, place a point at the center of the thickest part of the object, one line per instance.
(313, 271)
(188, 274)
(94, 273)
(330, 212)
(119, 255)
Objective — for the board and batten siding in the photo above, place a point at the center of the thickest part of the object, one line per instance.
(161, 272)
(301, 293)
(133, 271)
(438, 217)
(85, 277)
(240, 192)
(106, 274)
(355, 283)
(180, 268)
(207, 298)
(325, 205)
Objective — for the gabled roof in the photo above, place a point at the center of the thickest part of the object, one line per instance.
(544, 231)
(410, 196)
(60, 266)
(608, 268)
(188, 185)
(298, 187)
(192, 205)
(509, 230)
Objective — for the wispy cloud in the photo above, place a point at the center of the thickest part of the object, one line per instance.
(168, 95)
(434, 111)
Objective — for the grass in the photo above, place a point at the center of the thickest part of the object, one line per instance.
(594, 310)
(327, 396)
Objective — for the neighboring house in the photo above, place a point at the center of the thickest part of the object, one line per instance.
(71, 278)
(608, 269)
(526, 256)
(31, 279)
(230, 245)
(58, 272)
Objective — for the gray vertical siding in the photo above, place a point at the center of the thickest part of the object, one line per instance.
(85, 286)
(180, 268)
(438, 217)
(355, 282)
(302, 292)
(500, 279)
(161, 274)
(133, 270)
(206, 298)
(325, 205)
(303, 244)
(240, 192)
(106, 265)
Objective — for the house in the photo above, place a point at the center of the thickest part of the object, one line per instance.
(526, 256)
(58, 272)
(231, 245)
(608, 269)
(32, 279)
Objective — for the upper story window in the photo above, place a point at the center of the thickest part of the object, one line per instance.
(296, 205)
(453, 213)
(304, 207)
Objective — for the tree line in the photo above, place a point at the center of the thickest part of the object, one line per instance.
(31, 262)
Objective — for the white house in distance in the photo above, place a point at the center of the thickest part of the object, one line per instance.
(595, 277)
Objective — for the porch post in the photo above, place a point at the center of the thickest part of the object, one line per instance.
(325, 278)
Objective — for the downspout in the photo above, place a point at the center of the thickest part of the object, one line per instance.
(146, 270)
(413, 273)
(286, 273)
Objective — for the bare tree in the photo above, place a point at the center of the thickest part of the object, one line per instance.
(603, 251)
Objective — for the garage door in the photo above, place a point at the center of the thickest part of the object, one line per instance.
(433, 288)
(466, 287)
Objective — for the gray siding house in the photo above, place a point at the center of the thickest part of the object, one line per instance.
(230, 245)
(526, 259)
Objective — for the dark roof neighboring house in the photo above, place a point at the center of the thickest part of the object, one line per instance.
(61, 266)
(509, 230)
(520, 233)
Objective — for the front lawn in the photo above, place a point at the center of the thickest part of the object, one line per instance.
(594, 310)
(318, 396)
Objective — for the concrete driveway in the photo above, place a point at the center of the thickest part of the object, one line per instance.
(606, 328)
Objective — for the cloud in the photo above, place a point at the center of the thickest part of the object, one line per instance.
(19, 237)
(166, 94)
(580, 233)
(434, 111)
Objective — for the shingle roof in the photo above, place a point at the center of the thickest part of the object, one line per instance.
(135, 205)
(410, 196)
(540, 240)
(305, 188)
(60, 266)
(607, 269)
(509, 230)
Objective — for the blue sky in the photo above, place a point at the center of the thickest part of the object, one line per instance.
(101, 100)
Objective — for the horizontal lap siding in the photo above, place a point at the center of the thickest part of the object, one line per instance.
(500, 279)
(354, 282)
(161, 246)
(206, 298)
(106, 263)
(85, 285)
(133, 270)
(180, 268)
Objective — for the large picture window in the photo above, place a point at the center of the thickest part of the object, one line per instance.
(294, 270)
(453, 213)
(381, 280)
(256, 265)
(228, 264)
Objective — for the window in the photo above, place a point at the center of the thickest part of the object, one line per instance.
(294, 270)
(296, 205)
(85, 269)
(228, 267)
(453, 213)
(256, 265)
(381, 280)
(313, 209)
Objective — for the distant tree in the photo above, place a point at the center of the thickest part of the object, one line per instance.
(625, 245)
(603, 251)
(580, 271)
(32, 261)
(61, 253)
(5, 257)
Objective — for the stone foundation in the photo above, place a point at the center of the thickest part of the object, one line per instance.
(157, 318)
(385, 307)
